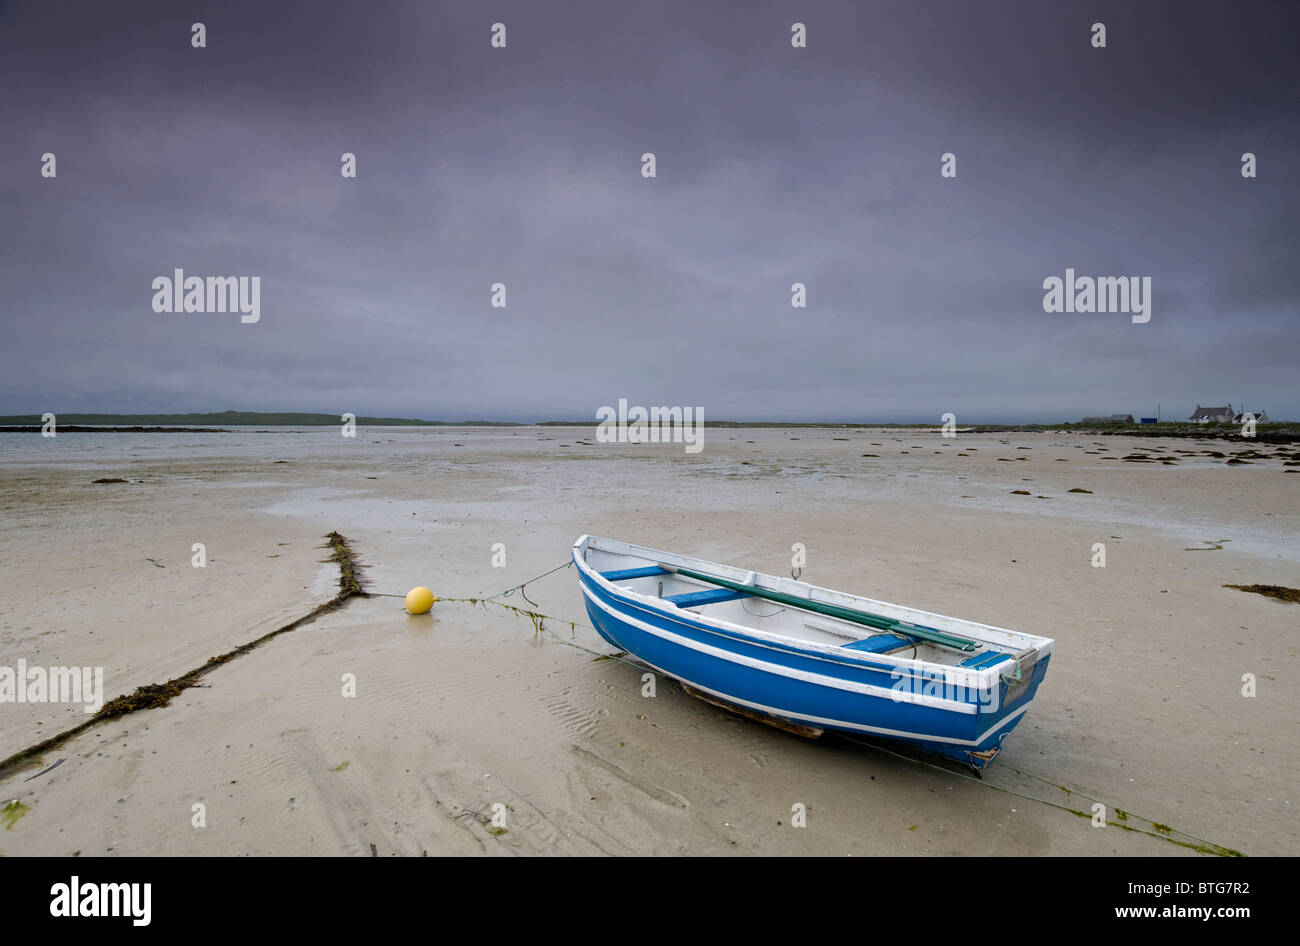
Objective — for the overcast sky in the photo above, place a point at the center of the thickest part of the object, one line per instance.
(775, 165)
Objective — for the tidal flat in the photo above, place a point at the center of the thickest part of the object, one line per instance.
(470, 731)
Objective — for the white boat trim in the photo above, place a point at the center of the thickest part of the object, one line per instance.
(805, 676)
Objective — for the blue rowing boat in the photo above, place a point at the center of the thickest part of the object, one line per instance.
(810, 659)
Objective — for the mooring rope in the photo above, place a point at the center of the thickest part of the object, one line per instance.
(520, 587)
(539, 620)
(500, 594)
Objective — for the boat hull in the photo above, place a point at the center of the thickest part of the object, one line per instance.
(798, 686)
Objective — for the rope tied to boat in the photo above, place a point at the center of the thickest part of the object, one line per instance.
(539, 619)
(500, 594)
(520, 587)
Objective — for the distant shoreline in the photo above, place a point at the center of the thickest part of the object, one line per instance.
(223, 422)
(66, 421)
(233, 419)
(81, 429)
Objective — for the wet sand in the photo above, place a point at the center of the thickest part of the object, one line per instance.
(467, 708)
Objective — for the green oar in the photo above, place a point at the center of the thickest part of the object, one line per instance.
(832, 610)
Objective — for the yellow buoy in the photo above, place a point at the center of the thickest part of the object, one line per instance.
(419, 600)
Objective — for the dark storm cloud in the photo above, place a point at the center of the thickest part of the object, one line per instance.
(775, 165)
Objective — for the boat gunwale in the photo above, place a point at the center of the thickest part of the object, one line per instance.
(834, 652)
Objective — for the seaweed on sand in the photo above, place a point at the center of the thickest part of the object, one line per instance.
(12, 812)
(1281, 592)
(154, 695)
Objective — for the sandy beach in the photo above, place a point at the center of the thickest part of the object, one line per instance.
(469, 707)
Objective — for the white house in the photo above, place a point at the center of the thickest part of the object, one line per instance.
(1212, 415)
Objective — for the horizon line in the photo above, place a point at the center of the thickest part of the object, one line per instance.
(264, 417)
